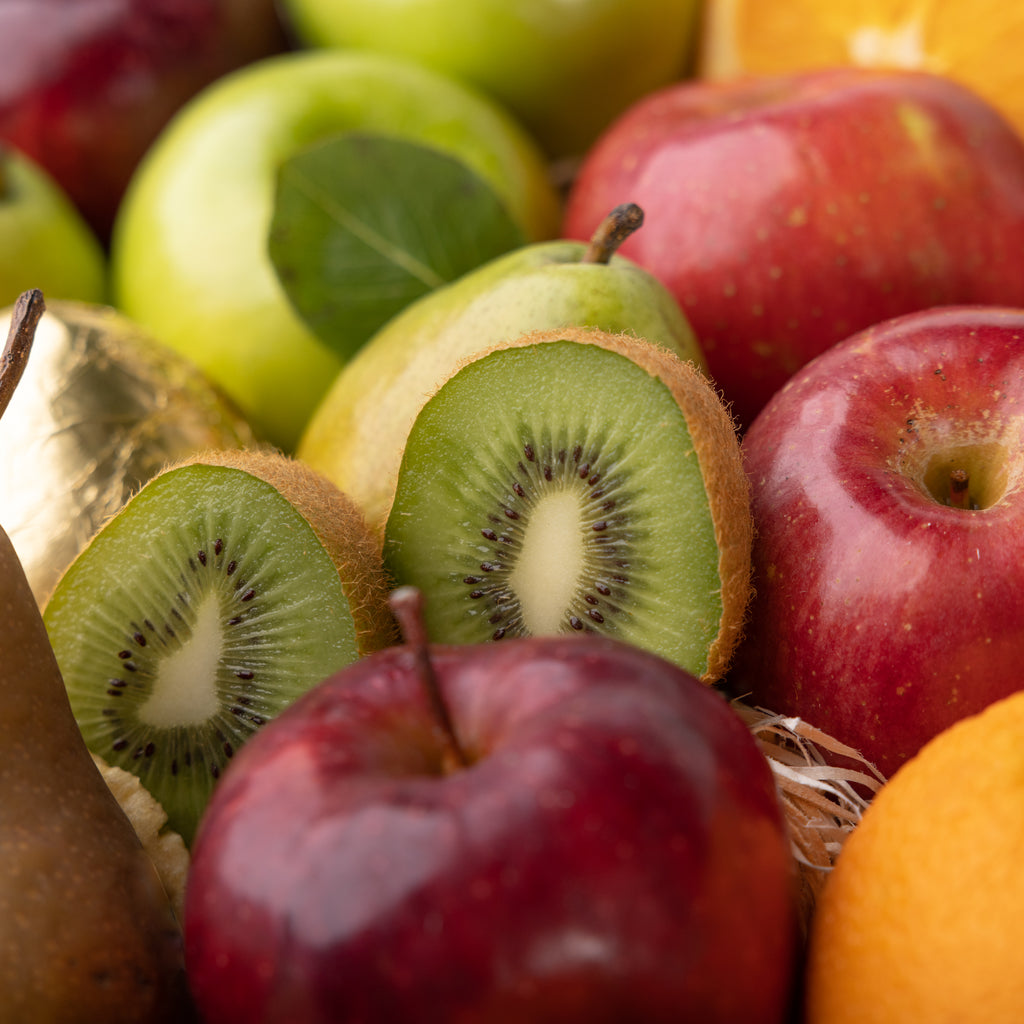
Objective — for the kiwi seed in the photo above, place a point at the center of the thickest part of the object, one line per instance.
(206, 606)
(577, 481)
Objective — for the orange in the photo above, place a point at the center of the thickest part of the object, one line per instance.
(977, 42)
(922, 918)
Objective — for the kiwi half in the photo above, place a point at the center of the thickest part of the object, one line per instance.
(223, 589)
(577, 481)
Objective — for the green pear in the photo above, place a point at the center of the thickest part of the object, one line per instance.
(357, 433)
(87, 933)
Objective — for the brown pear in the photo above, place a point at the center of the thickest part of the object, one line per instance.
(87, 933)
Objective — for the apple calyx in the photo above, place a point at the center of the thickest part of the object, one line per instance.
(969, 477)
(407, 606)
(28, 309)
(612, 232)
(959, 489)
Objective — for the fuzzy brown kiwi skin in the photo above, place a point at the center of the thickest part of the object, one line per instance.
(338, 524)
(719, 454)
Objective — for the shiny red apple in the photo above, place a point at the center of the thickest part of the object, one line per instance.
(888, 496)
(572, 830)
(787, 212)
(86, 85)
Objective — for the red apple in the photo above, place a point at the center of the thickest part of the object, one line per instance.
(787, 212)
(889, 589)
(86, 85)
(593, 836)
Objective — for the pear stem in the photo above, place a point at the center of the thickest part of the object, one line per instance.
(28, 308)
(612, 232)
(959, 489)
(407, 607)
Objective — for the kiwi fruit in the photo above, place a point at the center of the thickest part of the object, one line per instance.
(577, 481)
(100, 409)
(224, 588)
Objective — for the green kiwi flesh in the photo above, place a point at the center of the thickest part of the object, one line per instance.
(554, 488)
(196, 614)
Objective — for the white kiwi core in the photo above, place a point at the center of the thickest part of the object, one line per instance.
(546, 573)
(183, 693)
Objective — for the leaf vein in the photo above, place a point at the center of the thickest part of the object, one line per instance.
(367, 234)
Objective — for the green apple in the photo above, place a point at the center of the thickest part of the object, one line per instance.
(189, 248)
(566, 69)
(358, 433)
(45, 242)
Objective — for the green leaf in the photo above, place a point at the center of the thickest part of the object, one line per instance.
(365, 224)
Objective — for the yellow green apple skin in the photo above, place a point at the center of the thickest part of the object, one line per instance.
(44, 241)
(565, 69)
(189, 252)
(358, 432)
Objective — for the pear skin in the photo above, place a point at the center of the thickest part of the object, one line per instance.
(357, 434)
(87, 934)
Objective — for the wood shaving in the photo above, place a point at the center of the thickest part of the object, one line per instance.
(165, 847)
(822, 801)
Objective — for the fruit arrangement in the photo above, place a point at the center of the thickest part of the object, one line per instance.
(511, 512)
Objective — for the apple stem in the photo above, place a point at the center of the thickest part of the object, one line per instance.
(612, 232)
(407, 607)
(959, 493)
(28, 309)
